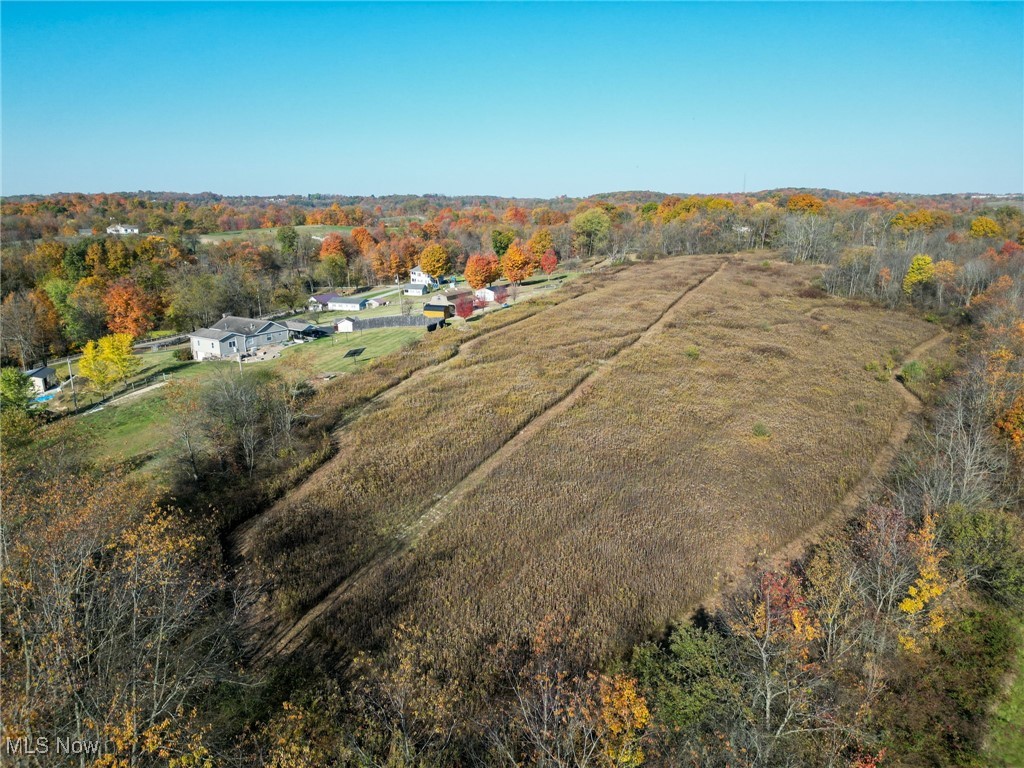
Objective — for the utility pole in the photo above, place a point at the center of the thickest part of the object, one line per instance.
(71, 378)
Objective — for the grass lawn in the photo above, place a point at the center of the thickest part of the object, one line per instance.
(138, 426)
(328, 355)
(1005, 743)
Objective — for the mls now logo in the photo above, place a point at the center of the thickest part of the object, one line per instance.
(42, 746)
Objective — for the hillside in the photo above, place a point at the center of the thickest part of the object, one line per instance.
(615, 457)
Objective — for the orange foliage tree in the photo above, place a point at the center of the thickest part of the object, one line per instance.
(518, 263)
(806, 203)
(482, 270)
(129, 309)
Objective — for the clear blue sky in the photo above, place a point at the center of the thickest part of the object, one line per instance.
(511, 99)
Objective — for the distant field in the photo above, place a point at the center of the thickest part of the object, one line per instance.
(614, 457)
(318, 230)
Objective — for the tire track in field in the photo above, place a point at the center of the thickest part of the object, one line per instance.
(239, 535)
(291, 639)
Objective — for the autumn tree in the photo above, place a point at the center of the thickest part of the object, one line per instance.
(549, 262)
(464, 306)
(107, 623)
(983, 226)
(109, 360)
(805, 203)
(435, 261)
(517, 263)
(130, 310)
(920, 273)
(482, 270)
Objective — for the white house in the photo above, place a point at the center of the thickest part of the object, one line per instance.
(418, 277)
(345, 324)
(347, 304)
(231, 336)
(378, 301)
(123, 229)
(415, 289)
(498, 293)
(332, 301)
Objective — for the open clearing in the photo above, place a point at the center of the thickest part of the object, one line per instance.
(615, 457)
(269, 233)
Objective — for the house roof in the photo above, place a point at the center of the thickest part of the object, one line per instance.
(348, 300)
(41, 373)
(415, 286)
(323, 298)
(431, 306)
(343, 319)
(210, 333)
(298, 325)
(245, 326)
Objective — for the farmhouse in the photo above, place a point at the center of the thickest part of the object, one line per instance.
(418, 277)
(498, 293)
(231, 336)
(415, 289)
(123, 229)
(42, 378)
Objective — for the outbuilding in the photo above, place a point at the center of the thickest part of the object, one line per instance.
(42, 378)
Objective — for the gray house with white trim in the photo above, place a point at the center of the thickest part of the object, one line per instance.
(231, 336)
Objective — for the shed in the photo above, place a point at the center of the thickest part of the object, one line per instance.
(345, 325)
(42, 378)
(415, 289)
(438, 309)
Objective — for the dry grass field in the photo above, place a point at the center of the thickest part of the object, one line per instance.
(614, 457)
(413, 446)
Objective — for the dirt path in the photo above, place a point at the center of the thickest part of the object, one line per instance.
(291, 639)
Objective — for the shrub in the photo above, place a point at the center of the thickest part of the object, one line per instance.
(761, 430)
(692, 351)
(183, 354)
(912, 371)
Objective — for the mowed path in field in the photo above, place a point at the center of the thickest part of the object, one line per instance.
(291, 639)
(644, 485)
(423, 437)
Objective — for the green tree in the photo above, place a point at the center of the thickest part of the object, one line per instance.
(591, 230)
(16, 391)
(287, 238)
(501, 239)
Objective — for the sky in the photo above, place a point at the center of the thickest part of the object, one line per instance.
(526, 100)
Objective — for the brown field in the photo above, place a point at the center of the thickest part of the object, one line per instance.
(613, 457)
(413, 446)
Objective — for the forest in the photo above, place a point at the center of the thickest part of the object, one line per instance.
(313, 584)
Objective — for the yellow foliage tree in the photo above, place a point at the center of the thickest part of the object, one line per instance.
(928, 618)
(921, 272)
(983, 226)
(623, 714)
(435, 261)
